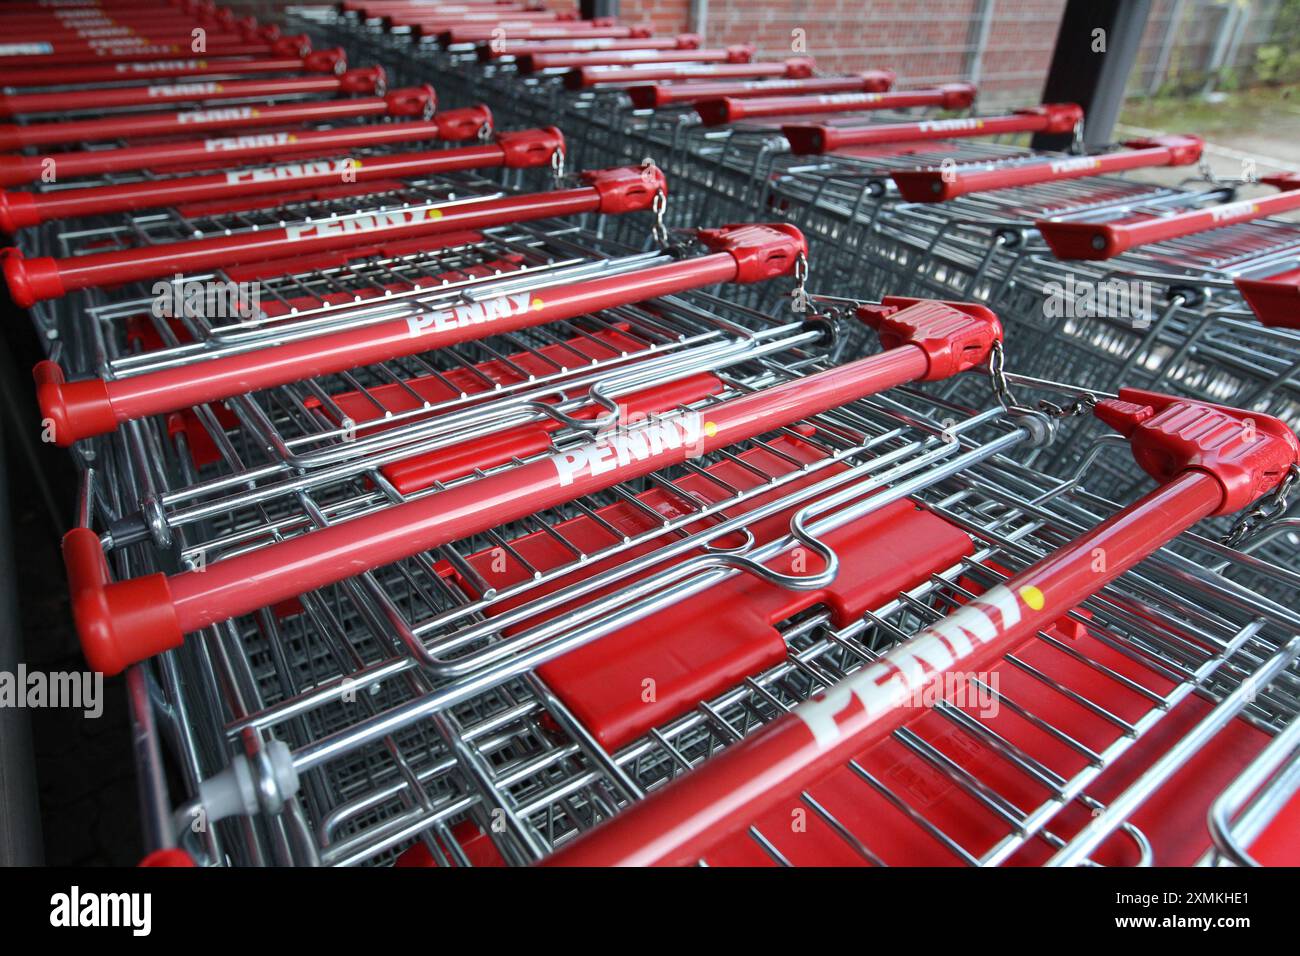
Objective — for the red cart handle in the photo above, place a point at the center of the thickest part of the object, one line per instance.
(481, 33)
(1276, 300)
(516, 150)
(322, 61)
(243, 149)
(659, 95)
(580, 44)
(1217, 472)
(126, 621)
(939, 185)
(298, 45)
(815, 139)
(366, 80)
(533, 62)
(410, 101)
(951, 96)
(624, 189)
(1102, 240)
(589, 76)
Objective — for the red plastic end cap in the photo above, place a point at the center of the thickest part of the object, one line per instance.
(576, 79)
(418, 101)
(31, 280)
(1249, 453)
(955, 336)
(925, 185)
(1061, 117)
(120, 623)
(530, 147)
(688, 41)
(1183, 150)
(809, 139)
(957, 96)
(526, 63)
(367, 79)
(641, 31)
(74, 410)
(761, 250)
(174, 856)
(327, 61)
(645, 97)
(626, 188)
(741, 53)
(297, 45)
(1080, 240)
(1282, 181)
(1275, 302)
(877, 81)
(455, 125)
(799, 67)
(714, 112)
(17, 211)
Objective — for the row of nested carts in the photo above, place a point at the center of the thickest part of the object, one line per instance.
(507, 438)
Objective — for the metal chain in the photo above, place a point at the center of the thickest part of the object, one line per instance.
(998, 376)
(799, 295)
(660, 229)
(557, 165)
(1264, 513)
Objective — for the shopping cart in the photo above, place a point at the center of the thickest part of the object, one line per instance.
(489, 699)
(1155, 303)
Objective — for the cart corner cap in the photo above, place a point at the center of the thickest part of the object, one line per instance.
(761, 250)
(31, 280)
(1249, 453)
(954, 336)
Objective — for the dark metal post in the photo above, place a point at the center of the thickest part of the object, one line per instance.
(590, 9)
(1095, 51)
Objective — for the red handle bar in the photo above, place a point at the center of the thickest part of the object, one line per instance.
(516, 150)
(127, 621)
(532, 62)
(816, 139)
(298, 45)
(481, 34)
(624, 189)
(952, 96)
(322, 61)
(1222, 470)
(409, 101)
(369, 79)
(588, 76)
(938, 185)
(654, 96)
(580, 44)
(1102, 240)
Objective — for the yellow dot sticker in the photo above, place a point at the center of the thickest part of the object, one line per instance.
(537, 303)
(1033, 597)
(435, 213)
(710, 428)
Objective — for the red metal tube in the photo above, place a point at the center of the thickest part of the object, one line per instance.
(952, 96)
(1102, 240)
(297, 45)
(367, 80)
(321, 61)
(1209, 461)
(657, 95)
(557, 31)
(515, 150)
(533, 62)
(1049, 118)
(589, 76)
(939, 185)
(126, 621)
(580, 44)
(409, 101)
(33, 280)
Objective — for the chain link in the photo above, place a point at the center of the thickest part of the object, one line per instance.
(799, 301)
(1264, 513)
(660, 229)
(557, 165)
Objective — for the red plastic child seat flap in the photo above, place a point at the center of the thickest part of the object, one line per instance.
(685, 650)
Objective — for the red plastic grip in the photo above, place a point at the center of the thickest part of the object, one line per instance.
(733, 109)
(761, 250)
(1248, 453)
(534, 62)
(589, 76)
(955, 336)
(659, 95)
